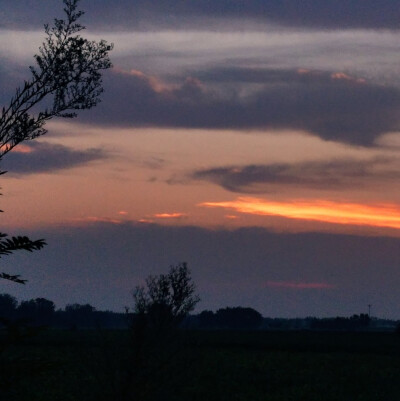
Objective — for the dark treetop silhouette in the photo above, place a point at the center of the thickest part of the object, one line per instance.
(67, 75)
(168, 298)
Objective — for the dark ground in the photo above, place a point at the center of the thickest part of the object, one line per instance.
(90, 365)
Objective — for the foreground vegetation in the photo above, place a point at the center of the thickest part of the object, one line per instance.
(207, 365)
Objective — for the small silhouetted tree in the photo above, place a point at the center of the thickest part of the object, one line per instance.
(152, 369)
(166, 299)
(65, 79)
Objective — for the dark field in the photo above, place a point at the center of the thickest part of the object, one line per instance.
(207, 365)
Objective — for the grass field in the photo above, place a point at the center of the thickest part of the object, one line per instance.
(207, 365)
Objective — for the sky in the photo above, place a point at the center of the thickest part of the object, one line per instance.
(257, 141)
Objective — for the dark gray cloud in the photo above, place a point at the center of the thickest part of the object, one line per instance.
(142, 14)
(332, 175)
(102, 263)
(44, 157)
(333, 105)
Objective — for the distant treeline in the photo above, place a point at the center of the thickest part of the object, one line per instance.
(42, 312)
(248, 318)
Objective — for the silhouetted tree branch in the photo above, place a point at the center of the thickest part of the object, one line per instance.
(68, 70)
(9, 245)
(67, 76)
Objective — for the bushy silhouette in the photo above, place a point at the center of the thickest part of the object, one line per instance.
(231, 318)
(78, 315)
(167, 299)
(38, 311)
(207, 320)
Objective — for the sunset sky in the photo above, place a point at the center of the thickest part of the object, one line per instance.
(259, 141)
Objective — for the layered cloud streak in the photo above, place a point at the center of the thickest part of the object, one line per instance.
(44, 157)
(334, 175)
(334, 105)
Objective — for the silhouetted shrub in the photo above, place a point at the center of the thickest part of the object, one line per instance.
(80, 316)
(238, 318)
(167, 299)
(39, 311)
(207, 319)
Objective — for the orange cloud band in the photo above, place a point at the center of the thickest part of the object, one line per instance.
(318, 210)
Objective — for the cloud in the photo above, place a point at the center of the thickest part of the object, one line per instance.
(274, 75)
(95, 219)
(175, 215)
(327, 175)
(154, 163)
(44, 157)
(143, 14)
(382, 215)
(334, 105)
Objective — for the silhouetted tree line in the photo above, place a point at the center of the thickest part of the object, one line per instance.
(249, 319)
(355, 322)
(42, 312)
(338, 323)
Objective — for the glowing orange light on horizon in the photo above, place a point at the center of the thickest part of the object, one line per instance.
(169, 215)
(145, 221)
(231, 217)
(94, 219)
(318, 210)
